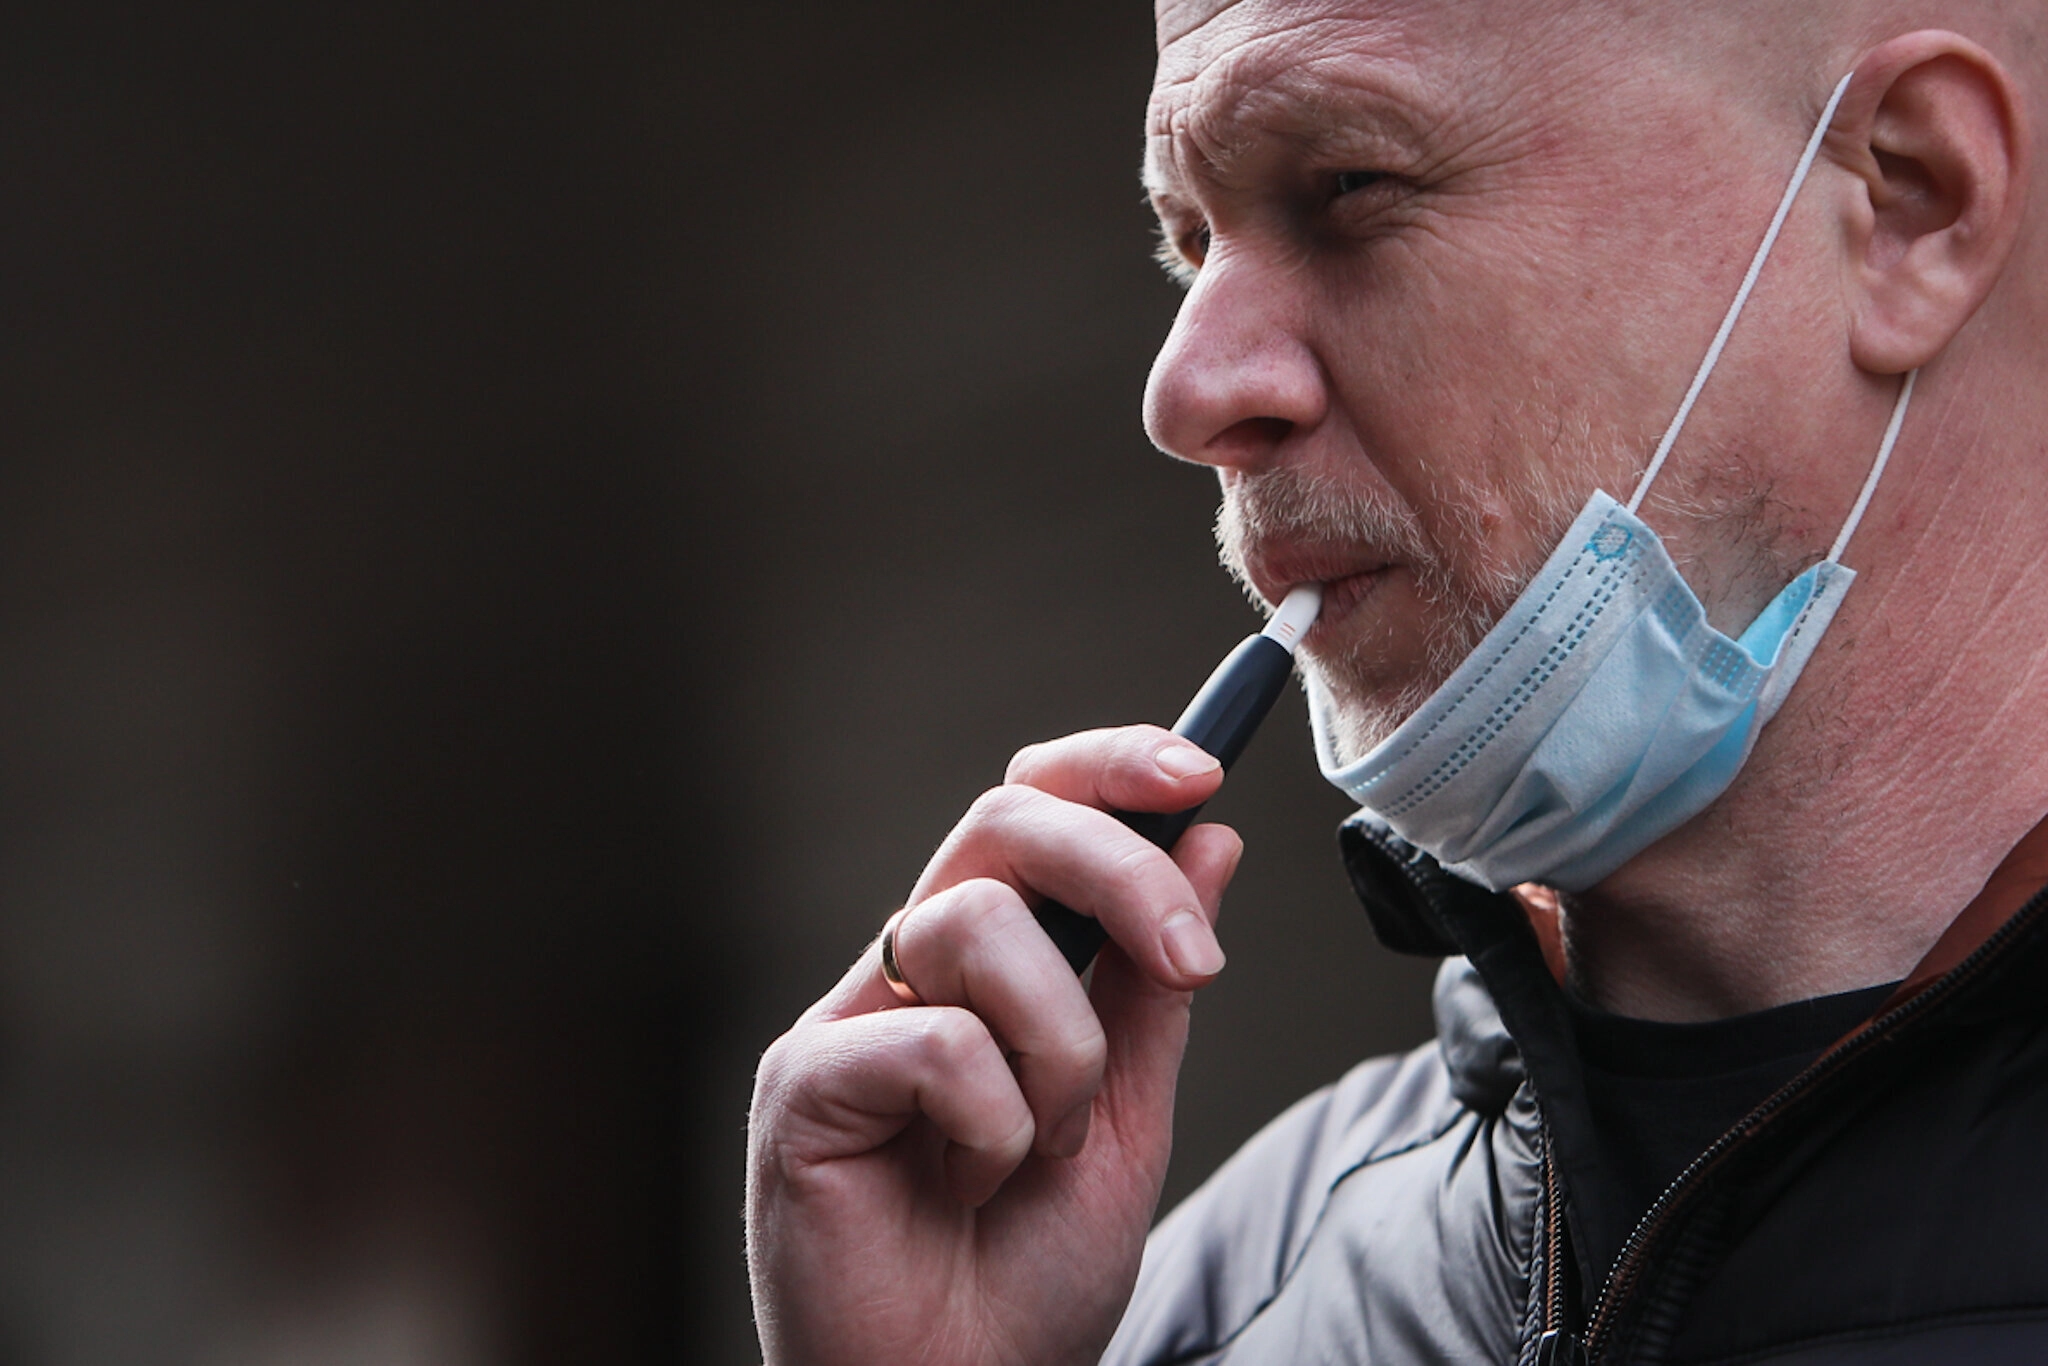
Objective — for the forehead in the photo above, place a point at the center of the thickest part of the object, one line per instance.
(1211, 48)
(1234, 71)
(1194, 25)
(1188, 29)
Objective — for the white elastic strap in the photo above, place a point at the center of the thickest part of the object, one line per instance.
(1756, 267)
(1884, 453)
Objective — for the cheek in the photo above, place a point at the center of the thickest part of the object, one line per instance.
(1452, 390)
(1452, 353)
(1500, 359)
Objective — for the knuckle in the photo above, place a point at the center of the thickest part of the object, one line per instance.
(983, 906)
(1068, 1069)
(1088, 1054)
(1094, 1049)
(1141, 742)
(949, 1039)
(997, 804)
(1135, 872)
(1024, 761)
(963, 916)
(1015, 1144)
(1132, 768)
(774, 1073)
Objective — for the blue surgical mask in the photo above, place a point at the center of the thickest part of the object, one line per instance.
(1602, 711)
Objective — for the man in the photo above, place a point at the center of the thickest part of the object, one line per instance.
(1751, 1066)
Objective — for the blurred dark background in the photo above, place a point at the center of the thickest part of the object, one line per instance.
(520, 527)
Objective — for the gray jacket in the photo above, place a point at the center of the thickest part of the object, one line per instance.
(1887, 1205)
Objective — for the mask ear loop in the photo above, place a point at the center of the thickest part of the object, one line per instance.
(1756, 267)
(1884, 454)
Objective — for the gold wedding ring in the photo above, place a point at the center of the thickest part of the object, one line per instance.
(892, 971)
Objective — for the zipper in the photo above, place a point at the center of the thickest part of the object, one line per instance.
(1634, 1258)
(1557, 1346)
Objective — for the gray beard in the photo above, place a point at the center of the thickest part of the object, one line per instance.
(1284, 504)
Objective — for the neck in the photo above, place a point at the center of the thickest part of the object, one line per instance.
(1895, 780)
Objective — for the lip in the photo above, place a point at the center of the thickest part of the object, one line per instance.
(1347, 577)
(1340, 598)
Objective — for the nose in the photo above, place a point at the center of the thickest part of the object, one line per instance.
(1237, 375)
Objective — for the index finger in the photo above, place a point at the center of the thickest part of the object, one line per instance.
(1122, 768)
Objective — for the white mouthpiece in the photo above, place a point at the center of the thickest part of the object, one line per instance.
(1297, 613)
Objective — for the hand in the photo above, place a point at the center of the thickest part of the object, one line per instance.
(970, 1180)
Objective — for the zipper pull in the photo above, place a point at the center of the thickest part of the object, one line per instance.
(1559, 1348)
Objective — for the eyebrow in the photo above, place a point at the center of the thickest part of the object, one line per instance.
(1363, 118)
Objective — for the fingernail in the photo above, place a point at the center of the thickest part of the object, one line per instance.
(1191, 945)
(1072, 1132)
(1185, 761)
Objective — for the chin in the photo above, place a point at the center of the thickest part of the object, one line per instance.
(1366, 707)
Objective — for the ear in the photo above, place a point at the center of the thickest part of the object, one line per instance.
(1933, 128)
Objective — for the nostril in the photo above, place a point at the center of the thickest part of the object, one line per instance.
(1270, 430)
(1251, 439)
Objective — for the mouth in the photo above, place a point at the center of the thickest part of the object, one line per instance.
(1340, 598)
(1347, 578)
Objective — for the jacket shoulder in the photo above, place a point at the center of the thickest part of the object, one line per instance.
(1229, 1248)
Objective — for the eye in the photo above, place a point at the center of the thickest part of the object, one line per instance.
(1182, 254)
(1347, 181)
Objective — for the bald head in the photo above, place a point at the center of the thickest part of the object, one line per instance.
(1767, 22)
(1758, 43)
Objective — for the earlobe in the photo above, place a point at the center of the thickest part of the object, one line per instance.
(1933, 129)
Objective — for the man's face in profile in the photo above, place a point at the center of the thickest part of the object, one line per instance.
(1449, 268)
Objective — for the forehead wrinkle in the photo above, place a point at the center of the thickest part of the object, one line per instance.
(1196, 14)
(1348, 92)
(1217, 24)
